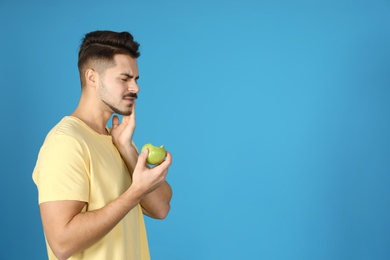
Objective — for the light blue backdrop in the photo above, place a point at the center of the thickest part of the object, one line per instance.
(276, 113)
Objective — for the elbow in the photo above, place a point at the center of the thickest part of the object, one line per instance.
(165, 212)
(61, 255)
(60, 251)
(162, 213)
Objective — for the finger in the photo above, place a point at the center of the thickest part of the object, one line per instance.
(115, 122)
(133, 109)
(169, 157)
(168, 160)
(132, 116)
(141, 162)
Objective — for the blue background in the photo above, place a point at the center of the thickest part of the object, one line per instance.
(276, 113)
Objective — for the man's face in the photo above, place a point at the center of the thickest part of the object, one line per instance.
(118, 86)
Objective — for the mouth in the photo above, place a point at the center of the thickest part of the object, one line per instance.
(130, 98)
(129, 101)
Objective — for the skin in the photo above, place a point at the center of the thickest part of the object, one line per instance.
(67, 229)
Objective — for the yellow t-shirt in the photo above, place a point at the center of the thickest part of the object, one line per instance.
(77, 163)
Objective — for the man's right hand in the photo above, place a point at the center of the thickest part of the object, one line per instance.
(146, 179)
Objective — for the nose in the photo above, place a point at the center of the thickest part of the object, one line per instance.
(134, 87)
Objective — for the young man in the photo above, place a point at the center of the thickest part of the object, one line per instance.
(93, 185)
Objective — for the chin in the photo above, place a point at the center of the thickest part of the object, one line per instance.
(123, 112)
(126, 112)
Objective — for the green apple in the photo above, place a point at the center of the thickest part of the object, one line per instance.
(156, 154)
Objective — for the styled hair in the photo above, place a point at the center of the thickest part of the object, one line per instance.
(102, 46)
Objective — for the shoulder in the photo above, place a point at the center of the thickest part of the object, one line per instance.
(69, 132)
(68, 126)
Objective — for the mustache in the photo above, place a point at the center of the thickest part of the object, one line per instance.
(132, 95)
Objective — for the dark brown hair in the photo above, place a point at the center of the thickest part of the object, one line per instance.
(102, 46)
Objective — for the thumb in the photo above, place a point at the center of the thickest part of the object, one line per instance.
(115, 122)
(142, 158)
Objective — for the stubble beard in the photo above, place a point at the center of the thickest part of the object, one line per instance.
(115, 109)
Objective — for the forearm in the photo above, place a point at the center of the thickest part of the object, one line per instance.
(129, 155)
(85, 229)
(89, 227)
(157, 203)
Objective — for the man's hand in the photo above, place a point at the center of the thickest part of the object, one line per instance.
(147, 180)
(122, 134)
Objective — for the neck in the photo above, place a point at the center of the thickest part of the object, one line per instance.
(94, 124)
(92, 116)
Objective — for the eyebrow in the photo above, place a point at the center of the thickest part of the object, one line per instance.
(129, 75)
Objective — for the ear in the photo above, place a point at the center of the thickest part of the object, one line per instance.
(91, 77)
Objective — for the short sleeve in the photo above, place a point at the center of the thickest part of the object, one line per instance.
(62, 170)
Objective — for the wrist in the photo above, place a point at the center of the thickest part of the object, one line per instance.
(129, 155)
(125, 147)
(135, 193)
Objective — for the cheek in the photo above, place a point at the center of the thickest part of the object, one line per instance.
(113, 92)
(102, 90)
(105, 92)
